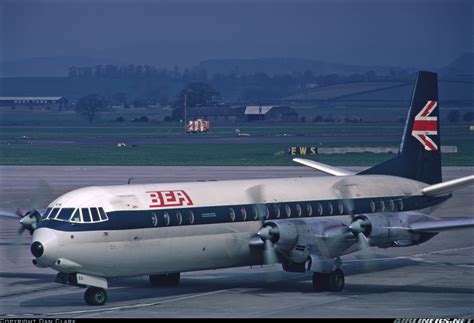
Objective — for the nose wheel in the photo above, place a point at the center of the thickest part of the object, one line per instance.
(95, 296)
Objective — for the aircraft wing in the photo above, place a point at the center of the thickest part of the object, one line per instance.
(448, 187)
(331, 170)
(442, 224)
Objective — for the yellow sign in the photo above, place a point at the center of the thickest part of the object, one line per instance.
(302, 151)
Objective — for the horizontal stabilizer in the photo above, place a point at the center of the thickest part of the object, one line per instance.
(449, 186)
(441, 225)
(323, 167)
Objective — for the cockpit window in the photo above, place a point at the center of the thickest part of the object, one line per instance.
(76, 216)
(102, 214)
(86, 215)
(64, 214)
(45, 214)
(95, 214)
(53, 213)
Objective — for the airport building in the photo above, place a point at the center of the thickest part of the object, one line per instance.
(39, 103)
(216, 114)
(242, 114)
(270, 113)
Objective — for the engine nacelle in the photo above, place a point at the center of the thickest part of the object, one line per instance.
(386, 230)
(296, 239)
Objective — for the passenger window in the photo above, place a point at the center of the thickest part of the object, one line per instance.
(320, 209)
(309, 209)
(53, 213)
(372, 206)
(154, 219)
(400, 205)
(392, 205)
(179, 218)
(243, 213)
(267, 212)
(76, 216)
(288, 211)
(340, 207)
(167, 218)
(299, 211)
(102, 214)
(65, 214)
(191, 217)
(276, 209)
(95, 214)
(232, 214)
(255, 212)
(382, 206)
(86, 215)
(330, 208)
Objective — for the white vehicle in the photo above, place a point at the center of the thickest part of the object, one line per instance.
(306, 224)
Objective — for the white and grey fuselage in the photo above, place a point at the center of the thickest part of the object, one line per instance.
(112, 231)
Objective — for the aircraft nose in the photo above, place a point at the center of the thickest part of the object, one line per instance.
(45, 246)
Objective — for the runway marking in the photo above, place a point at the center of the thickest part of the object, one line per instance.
(119, 308)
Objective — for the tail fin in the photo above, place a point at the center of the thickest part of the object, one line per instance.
(419, 156)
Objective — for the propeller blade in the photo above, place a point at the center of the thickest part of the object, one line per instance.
(269, 253)
(21, 230)
(9, 214)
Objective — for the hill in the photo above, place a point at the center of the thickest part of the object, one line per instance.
(272, 66)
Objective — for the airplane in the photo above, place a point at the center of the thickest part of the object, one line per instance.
(307, 223)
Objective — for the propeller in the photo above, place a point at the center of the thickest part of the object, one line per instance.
(29, 218)
(267, 233)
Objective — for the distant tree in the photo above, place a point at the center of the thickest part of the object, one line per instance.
(197, 94)
(176, 72)
(468, 116)
(454, 116)
(318, 118)
(90, 106)
(141, 119)
(302, 119)
(120, 98)
(308, 77)
(120, 119)
(73, 72)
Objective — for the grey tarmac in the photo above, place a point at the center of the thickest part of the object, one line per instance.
(435, 279)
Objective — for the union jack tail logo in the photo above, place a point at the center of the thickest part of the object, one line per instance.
(424, 125)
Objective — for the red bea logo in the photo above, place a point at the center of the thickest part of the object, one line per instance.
(169, 198)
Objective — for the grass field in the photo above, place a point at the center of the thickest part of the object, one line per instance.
(196, 154)
(19, 128)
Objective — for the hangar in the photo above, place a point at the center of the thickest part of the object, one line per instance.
(42, 103)
(245, 113)
(270, 113)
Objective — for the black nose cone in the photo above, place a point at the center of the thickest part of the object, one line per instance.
(37, 249)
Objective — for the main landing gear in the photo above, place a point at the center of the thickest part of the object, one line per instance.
(332, 282)
(95, 296)
(95, 293)
(166, 280)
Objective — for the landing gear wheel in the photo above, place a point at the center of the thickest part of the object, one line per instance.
(332, 282)
(320, 282)
(95, 296)
(336, 281)
(166, 280)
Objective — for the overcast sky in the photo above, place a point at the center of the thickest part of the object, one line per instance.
(383, 32)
